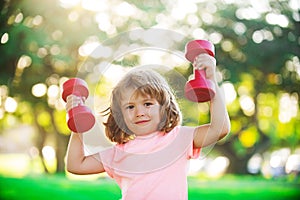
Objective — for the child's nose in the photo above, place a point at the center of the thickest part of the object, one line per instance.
(140, 111)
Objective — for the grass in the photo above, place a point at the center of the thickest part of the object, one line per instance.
(244, 188)
(229, 187)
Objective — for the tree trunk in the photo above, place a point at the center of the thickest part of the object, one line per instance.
(61, 148)
(41, 138)
(238, 164)
(61, 145)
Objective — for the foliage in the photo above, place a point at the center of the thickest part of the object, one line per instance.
(45, 44)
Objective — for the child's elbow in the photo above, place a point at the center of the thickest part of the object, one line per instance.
(225, 131)
(73, 170)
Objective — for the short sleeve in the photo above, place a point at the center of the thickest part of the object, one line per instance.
(192, 153)
(106, 158)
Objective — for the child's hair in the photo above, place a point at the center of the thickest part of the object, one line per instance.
(144, 82)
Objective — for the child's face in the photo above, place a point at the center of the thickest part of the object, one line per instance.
(141, 113)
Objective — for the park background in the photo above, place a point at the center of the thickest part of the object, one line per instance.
(43, 43)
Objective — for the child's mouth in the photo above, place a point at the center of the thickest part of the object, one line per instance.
(142, 121)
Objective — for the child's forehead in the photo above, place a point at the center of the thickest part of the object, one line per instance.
(132, 93)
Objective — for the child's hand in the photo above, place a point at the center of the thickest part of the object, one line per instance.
(74, 101)
(207, 63)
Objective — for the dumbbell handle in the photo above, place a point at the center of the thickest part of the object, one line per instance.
(195, 48)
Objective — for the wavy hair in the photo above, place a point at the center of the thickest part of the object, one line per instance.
(144, 82)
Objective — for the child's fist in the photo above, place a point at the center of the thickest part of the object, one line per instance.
(74, 101)
(207, 63)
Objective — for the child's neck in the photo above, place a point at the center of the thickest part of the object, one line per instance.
(147, 136)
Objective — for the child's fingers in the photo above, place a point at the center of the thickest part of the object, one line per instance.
(73, 101)
(205, 60)
(74, 98)
(207, 63)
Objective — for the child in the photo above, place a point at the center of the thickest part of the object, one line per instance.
(152, 150)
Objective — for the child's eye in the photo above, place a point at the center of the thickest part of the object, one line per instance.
(147, 104)
(130, 107)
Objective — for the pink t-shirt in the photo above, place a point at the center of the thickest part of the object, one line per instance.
(154, 166)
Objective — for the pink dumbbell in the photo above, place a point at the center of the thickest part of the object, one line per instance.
(80, 118)
(199, 89)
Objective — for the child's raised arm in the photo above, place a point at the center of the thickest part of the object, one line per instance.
(219, 125)
(76, 161)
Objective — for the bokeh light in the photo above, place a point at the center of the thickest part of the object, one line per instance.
(247, 105)
(39, 90)
(256, 46)
(229, 91)
(10, 105)
(288, 107)
(4, 38)
(24, 61)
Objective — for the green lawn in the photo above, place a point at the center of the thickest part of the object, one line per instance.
(230, 187)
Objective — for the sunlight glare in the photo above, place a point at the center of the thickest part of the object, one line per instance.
(218, 166)
(14, 165)
(94, 5)
(4, 38)
(49, 156)
(196, 165)
(10, 105)
(261, 6)
(19, 18)
(182, 9)
(114, 73)
(279, 157)
(254, 164)
(229, 91)
(199, 33)
(39, 89)
(277, 19)
(125, 9)
(104, 23)
(69, 3)
(247, 105)
(53, 91)
(73, 16)
(227, 45)
(294, 4)
(239, 28)
(37, 20)
(288, 107)
(293, 164)
(293, 65)
(247, 13)
(24, 61)
(48, 152)
(87, 48)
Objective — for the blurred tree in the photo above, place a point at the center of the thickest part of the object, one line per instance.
(257, 49)
(263, 63)
(41, 49)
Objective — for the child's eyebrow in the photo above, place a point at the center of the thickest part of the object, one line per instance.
(126, 104)
(144, 99)
(150, 99)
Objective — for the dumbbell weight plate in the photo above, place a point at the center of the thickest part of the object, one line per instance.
(80, 119)
(75, 86)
